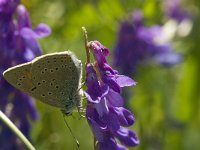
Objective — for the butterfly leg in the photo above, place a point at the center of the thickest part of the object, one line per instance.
(81, 110)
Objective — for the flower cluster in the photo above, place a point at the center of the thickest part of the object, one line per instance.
(138, 44)
(18, 44)
(105, 113)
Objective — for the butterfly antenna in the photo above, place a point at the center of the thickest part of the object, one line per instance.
(77, 142)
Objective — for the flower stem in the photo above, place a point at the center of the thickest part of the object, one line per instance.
(95, 144)
(7, 121)
(86, 45)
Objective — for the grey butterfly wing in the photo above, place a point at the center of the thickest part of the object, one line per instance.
(56, 77)
(51, 78)
(20, 77)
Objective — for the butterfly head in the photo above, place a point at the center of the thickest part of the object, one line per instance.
(71, 103)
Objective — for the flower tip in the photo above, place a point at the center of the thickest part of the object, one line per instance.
(21, 9)
(42, 30)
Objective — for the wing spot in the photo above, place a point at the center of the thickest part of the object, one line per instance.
(19, 84)
(43, 81)
(51, 84)
(56, 87)
(33, 89)
(42, 72)
(23, 77)
(39, 83)
(51, 71)
(43, 95)
(48, 61)
(45, 69)
(56, 68)
(39, 66)
(49, 93)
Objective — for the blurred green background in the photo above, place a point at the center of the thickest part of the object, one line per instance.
(165, 102)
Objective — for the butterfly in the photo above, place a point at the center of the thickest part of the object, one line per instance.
(53, 79)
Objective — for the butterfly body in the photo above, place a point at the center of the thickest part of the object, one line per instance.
(52, 78)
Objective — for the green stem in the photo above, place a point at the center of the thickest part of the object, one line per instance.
(18, 133)
(86, 45)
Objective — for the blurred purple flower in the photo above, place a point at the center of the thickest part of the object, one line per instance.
(18, 44)
(174, 10)
(138, 44)
(105, 113)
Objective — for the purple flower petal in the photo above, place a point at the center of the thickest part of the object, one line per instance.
(125, 117)
(29, 54)
(168, 59)
(32, 44)
(120, 147)
(102, 107)
(124, 81)
(97, 100)
(97, 131)
(109, 143)
(114, 98)
(42, 30)
(111, 121)
(23, 17)
(127, 137)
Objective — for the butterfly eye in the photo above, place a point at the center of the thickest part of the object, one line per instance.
(68, 113)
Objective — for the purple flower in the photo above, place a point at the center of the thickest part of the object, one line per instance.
(108, 75)
(105, 113)
(18, 44)
(138, 44)
(174, 10)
